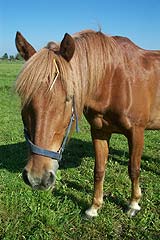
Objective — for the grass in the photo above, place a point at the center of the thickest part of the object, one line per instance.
(35, 215)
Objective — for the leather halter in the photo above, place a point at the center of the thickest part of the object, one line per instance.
(51, 154)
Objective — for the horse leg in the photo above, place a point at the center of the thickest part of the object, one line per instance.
(135, 141)
(101, 155)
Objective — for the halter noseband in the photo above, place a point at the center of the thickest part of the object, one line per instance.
(51, 154)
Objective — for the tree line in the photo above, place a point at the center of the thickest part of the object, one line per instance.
(11, 57)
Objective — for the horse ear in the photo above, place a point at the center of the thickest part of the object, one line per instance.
(67, 47)
(24, 48)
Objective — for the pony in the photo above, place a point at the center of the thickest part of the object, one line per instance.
(110, 80)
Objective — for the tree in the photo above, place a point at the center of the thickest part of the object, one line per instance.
(18, 57)
(11, 57)
(5, 56)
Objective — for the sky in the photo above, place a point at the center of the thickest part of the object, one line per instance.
(41, 21)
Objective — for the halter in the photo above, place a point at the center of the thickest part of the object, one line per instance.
(51, 154)
(47, 153)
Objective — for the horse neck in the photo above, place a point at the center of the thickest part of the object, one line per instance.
(92, 67)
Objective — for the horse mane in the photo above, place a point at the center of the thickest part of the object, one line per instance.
(80, 77)
(40, 69)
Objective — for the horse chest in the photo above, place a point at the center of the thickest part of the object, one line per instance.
(107, 122)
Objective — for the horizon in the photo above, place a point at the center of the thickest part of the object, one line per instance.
(43, 21)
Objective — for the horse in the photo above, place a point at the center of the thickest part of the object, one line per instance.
(109, 79)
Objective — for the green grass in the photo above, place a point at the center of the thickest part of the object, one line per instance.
(35, 215)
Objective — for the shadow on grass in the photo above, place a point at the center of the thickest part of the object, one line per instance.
(13, 157)
(122, 158)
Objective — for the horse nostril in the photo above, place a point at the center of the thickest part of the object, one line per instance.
(25, 177)
(49, 180)
(52, 177)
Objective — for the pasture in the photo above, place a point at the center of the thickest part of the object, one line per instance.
(35, 215)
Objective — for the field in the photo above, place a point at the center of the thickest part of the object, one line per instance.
(36, 215)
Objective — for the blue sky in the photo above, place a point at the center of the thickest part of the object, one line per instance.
(41, 21)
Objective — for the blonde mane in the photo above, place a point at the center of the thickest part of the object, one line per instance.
(92, 58)
(40, 69)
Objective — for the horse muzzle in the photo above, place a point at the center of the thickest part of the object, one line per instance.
(40, 182)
